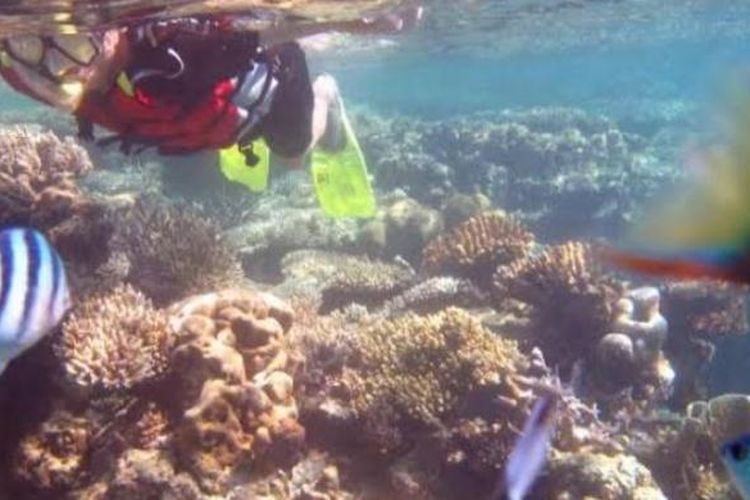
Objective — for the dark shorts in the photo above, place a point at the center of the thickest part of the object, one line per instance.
(288, 126)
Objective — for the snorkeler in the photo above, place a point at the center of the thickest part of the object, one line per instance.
(192, 84)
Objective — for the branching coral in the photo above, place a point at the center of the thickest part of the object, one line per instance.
(173, 252)
(235, 373)
(572, 299)
(37, 176)
(114, 341)
(476, 247)
(420, 368)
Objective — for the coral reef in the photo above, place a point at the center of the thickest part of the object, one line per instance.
(51, 458)
(566, 172)
(478, 246)
(173, 252)
(592, 475)
(411, 365)
(572, 300)
(701, 313)
(237, 378)
(402, 228)
(114, 342)
(284, 223)
(434, 294)
(344, 279)
(38, 173)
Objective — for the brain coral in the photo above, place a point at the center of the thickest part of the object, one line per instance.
(571, 297)
(235, 376)
(173, 252)
(476, 247)
(115, 341)
(418, 368)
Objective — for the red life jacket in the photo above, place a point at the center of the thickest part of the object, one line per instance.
(142, 119)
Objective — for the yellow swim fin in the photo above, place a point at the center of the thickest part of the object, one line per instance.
(341, 180)
(233, 166)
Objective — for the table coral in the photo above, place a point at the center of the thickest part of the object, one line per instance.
(173, 252)
(115, 341)
(572, 300)
(236, 376)
(344, 278)
(476, 247)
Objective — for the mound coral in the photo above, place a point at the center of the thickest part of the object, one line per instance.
(115, 341)
(420, 368)
(632, 355)
(402, 228)
(572, 300)
(476, 247)
(236, 377)
(173, 252)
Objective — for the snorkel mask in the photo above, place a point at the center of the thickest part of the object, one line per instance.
(52, 67)
(55, 57)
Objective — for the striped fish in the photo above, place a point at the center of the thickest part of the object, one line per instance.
(34, 293)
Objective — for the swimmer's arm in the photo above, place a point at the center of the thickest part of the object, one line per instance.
(395, 22)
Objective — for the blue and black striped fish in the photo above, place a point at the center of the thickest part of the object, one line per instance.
(34, 293)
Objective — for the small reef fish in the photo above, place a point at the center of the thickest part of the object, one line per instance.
(34, 294)
(702, 230)
(529, 455)
(736, 457)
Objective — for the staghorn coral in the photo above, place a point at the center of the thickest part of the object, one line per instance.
(115, 341)
(476, 247)
(420, 368)
(52, 458)
(235, 376)
(173, 252)
(572, 300)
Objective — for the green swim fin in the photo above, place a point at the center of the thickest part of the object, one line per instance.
(341, 180)
(234, 167)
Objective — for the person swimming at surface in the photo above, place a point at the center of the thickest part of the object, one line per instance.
(189, 84)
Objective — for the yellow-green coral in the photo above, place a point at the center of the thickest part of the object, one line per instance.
(421, 367)
(114, 341)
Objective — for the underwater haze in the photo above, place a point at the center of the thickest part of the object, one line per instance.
(388, 319)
